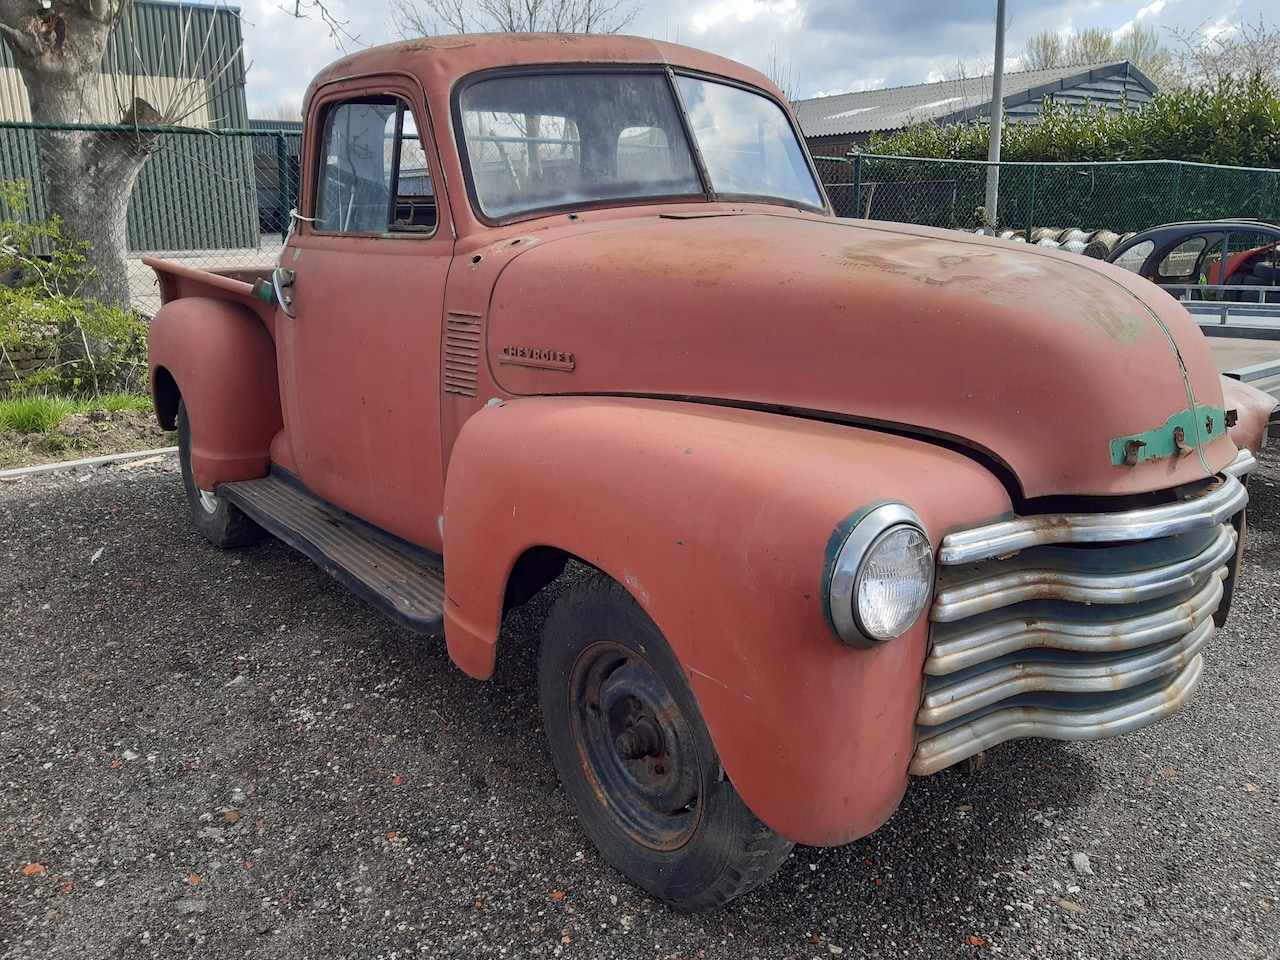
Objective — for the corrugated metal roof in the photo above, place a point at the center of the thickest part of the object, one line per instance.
(948, 101)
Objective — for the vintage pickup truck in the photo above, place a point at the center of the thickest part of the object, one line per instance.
(843, 502)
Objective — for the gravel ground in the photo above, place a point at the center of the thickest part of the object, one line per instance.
(224, 755)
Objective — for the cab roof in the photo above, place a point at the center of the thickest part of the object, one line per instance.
(439, 62)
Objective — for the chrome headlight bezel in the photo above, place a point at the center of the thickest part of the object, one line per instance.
(870, 531)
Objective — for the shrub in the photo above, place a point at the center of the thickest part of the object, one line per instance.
(97, 347)
(1235, 122)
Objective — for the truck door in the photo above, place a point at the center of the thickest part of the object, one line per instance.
(360, 357)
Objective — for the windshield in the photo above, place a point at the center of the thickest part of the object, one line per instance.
(548, 141)
(747, 143)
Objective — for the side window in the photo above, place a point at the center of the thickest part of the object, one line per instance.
(374, 176)
(1180, 262)
(415, 208)
(1248, 251)
(1252, 260)
(1133, 258)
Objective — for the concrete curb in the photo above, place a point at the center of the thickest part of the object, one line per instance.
(83, 464)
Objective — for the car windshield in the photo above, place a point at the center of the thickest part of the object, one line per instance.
(549, 141)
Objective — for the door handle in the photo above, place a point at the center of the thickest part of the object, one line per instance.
(281, 278)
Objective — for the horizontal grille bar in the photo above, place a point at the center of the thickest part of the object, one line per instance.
(938, 753)
(1060, 672)
(1224, 500)
(962, 650)
(1121, 586)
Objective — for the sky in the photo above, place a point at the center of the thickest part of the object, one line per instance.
(819, 47)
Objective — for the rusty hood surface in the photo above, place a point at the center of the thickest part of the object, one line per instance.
(1079, 377)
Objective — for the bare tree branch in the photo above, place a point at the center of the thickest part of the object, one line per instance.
(1140, 45)
(1240, 52)
(783, 77)
(426, 18)
(305, 9)
(17, 39)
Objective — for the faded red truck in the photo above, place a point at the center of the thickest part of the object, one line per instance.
(849, 501)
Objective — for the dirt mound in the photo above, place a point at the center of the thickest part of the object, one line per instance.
(94, 434)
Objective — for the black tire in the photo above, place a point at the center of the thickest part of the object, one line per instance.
(634, 755)
(221, 523)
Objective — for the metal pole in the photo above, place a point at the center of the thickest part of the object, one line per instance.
(997, 124)
(1031, 203)
(857, 185)
(284, 191)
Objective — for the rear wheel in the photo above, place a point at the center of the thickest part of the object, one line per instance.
(221, 523)
(634, 755)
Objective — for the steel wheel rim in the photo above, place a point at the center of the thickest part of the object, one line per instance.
(208, 501)
(635, 746)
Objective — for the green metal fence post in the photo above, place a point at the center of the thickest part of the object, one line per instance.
(857, 184)
(1031, 203)
(282, 177)
(1177, 193)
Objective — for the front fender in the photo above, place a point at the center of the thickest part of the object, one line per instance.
(721, 523)
(1253, 412)
(222, 361)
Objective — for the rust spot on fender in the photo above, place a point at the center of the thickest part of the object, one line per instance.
(1118, 327)
(854, 256)
(687, 255)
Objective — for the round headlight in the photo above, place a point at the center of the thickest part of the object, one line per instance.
(882, 580)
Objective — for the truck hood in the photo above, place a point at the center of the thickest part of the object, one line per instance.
(1077, 376)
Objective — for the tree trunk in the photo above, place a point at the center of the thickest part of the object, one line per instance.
(88, 175)
(88, 179)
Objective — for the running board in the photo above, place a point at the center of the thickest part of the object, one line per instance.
(405, 584)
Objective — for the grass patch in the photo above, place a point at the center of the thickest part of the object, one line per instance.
(115, 402)
(43, 414)
(34, 414)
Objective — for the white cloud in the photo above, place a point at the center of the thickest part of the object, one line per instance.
(786, 13)
(829, 45)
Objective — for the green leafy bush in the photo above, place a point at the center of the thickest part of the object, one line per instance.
(1235, 122)
(96, 348)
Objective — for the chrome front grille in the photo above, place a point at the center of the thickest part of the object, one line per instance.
(1073, 626)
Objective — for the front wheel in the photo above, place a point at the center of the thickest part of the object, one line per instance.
(222, 523)
(634, 755)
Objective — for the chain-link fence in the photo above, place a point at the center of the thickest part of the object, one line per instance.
(1116, 197)
(203, 197)
(222, 197)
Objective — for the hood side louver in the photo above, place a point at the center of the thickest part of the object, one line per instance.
(462, 353)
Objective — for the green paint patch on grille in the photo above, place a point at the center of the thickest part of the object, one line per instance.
(1193, 429)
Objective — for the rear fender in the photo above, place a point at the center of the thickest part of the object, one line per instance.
(722, 524)
(218, 358)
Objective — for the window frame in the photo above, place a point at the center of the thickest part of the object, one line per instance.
(388, 94)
